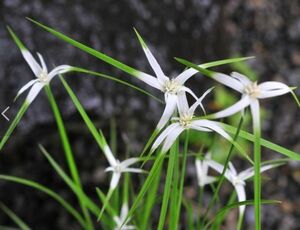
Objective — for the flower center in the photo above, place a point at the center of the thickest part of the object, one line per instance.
(43, 77)
(185, 120)
(238, 181)
(118, 167)
(252, 90)
(172, 86)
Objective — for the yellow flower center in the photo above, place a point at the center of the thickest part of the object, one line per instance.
(118, 167)
(43, 77)
(238, 181)
(185, 120)
(171, 86)
(252, 90)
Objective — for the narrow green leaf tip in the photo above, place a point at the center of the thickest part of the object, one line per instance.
(206, 72)
(143, 44)
(16, 39)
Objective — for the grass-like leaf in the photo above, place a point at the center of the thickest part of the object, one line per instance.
(115, 62)
(222, 177)
(148, 182)
(84, 115)
(82, 70)
(14, 124)
(49, 192)
(150, 200)
(102, 198)
(182, 179)
(167, 189)
(214, 63)
(87, 201)
(68, 153)
(268, 144)
(17, 220)
(89, 50)
(236, 205)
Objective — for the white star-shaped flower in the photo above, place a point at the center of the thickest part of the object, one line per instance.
(251, 93)
(117, 167)
(121, 222)
(202, 171)
(238, 180)
(43, 77)
(185, 121)
(172, 88)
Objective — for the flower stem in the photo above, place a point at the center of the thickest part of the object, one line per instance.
(255, 112)
(14, 124)
(168, 184)
(257, 179)
(222, 177)
(69, 154)
(183, 170)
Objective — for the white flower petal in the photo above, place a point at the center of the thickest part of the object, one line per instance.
(199, 128)
(232, 169)
(129, 162)
(155, 66)
(199, 169)
(238, 106)
(182, 103)
(202, 170)
(248, 173)
(212, 126)
(129, 227)
(133, 170)
(219, 168)
(198, 102)
(44, 67)
(109, 169)
(35, 89)
(273, 89)
(163, 135)
(150, 80)
(35, 67)
(185, 75)
(171, 101)
(114, 180)
(241, 193)
(188, 90)
(229, 81)
(242, 78)
(205, 166)
(124, 211)
(109, 155)
(273, 93)
(25, 87)
(254, 105)
(272, 85)
(170, 139)
(58, 70)
(207, 180)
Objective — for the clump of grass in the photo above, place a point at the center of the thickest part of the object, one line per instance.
(160, 202)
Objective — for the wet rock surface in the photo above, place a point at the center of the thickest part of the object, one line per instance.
(200, 31)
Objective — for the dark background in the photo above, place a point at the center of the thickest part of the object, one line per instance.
(200, 31)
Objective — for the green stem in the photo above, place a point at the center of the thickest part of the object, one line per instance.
(201, 206)
(240, 222)
(257, 179)
(14, 123)
(222, 177)
(69, 154)
(167, 189)
(174, 192)
(183, 171)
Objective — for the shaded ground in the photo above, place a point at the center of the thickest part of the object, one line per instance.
(197, 30)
